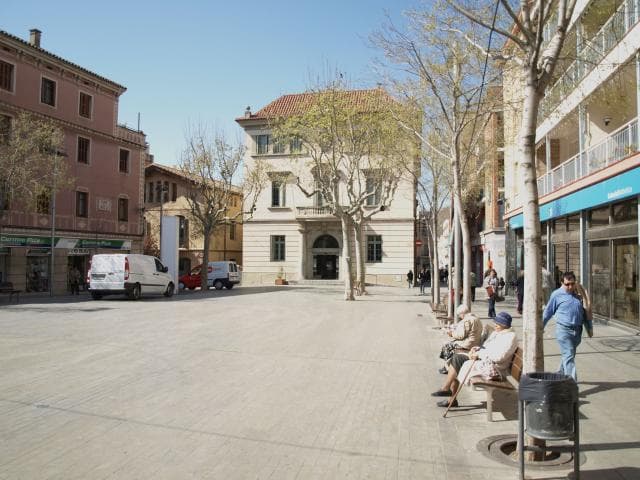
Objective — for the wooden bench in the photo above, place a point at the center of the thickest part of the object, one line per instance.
(7, 288)
(509, 383)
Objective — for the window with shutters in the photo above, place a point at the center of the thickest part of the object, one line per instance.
(85, 104)
(123, 209)
(6, 76)
(48, 92)
(84, 145)
(82, 204)
(124, 161)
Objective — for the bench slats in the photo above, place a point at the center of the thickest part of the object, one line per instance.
(509, 383)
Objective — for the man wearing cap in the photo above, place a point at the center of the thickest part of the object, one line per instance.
(568, 308)
(495, 355)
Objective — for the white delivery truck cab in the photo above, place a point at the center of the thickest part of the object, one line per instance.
(130, 274)
(222, 274)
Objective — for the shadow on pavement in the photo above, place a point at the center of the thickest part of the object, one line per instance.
(606, 386)
(618, 473)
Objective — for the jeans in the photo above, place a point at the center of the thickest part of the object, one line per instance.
(423, 287)
(492, 306)
(568, 339)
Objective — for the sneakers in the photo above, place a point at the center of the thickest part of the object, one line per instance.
(445, 403)
(443, 370)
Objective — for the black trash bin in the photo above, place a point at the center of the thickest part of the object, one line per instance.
(549, 404)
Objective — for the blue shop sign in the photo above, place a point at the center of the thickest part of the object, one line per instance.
(621, 186)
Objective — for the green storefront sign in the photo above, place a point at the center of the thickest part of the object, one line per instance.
(63, 242)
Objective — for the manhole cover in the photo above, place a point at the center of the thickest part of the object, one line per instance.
(503, 449)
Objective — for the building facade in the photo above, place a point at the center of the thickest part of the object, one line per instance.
(296, 237)
(588, 160)
(166, 193)
(102, 211)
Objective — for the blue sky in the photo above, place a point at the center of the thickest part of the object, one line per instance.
(205, 61)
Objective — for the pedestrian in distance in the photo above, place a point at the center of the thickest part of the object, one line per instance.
(472, 280)
(491, 285)
(410, 278)
(423, 280)
(571, 312)
(74, 280)
(520, 290)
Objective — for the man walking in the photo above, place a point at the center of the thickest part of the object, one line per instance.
(473, 281)
(567, 307)
(423, 280)
(410, 278)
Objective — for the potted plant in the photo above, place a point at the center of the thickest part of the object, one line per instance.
(280, 280)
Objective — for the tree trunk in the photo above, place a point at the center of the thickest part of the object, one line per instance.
(466, 254)
(532, 307)
(435, 267)
(204, 271)
(457, 260)
(346, 255)
(361, 271)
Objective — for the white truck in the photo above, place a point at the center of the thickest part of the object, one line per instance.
(222, 274)
(130, 274)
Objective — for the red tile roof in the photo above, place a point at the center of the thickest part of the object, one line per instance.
(295, 104)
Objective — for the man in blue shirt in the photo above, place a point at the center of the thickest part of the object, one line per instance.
(570, 316)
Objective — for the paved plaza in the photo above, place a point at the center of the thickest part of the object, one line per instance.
(272, 383)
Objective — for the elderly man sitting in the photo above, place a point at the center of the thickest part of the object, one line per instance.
(466, 334)
(489, 361)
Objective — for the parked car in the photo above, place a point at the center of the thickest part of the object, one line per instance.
(129, 274)
(219, 275)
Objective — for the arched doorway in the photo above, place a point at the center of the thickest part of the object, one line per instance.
(326, 251)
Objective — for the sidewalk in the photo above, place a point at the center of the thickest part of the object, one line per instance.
(609, 381)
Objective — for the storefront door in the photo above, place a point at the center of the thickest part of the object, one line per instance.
(600, 278)
(625, 281)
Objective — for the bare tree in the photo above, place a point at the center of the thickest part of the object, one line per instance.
(31, 168)
(356, 154)
(535, 55)
(449, 79)
(212, 167)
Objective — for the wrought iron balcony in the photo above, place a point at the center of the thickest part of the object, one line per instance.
(618, 145)
(591, 54)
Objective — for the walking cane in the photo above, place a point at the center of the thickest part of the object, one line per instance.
(455, 395)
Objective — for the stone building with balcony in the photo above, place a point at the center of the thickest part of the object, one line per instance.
(588, 160)
(102, 211)
(165, 194)
(297, 237)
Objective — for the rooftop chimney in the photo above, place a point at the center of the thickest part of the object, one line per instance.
(247, 113)
(34, 37)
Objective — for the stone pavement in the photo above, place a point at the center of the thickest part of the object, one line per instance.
(271, 383)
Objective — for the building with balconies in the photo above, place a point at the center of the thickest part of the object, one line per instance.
(166, 191)
(587, 159)
(297, 237)
(102, 211)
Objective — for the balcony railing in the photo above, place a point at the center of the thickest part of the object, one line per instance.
(130, 135)
(591, 53)
(620, 144)
(313, 212)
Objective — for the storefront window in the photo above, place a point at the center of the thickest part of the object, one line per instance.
(625, 280)
(37, 273)
(625, 211)
(599, 217)
(600, 277)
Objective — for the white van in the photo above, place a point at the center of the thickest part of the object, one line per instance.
(222, 274)
(131, 274)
